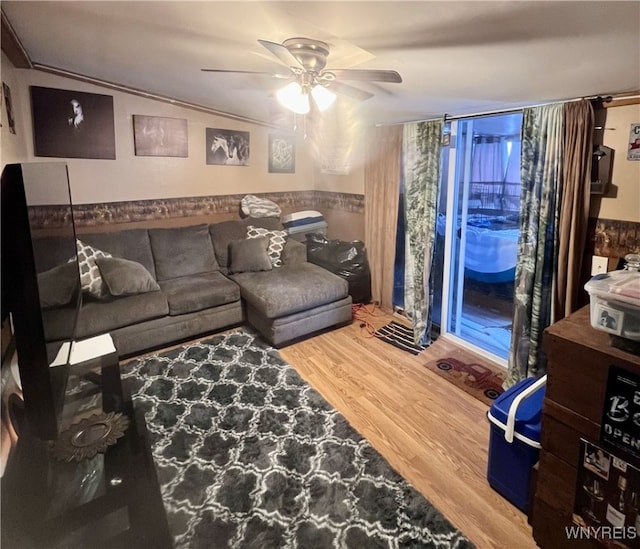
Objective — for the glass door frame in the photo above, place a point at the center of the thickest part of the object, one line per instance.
(448, 269)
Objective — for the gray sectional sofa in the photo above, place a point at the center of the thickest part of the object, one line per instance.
(163, 286)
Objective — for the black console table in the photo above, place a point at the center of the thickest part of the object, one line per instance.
(109, 500)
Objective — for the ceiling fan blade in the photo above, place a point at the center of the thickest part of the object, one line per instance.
(350, 91)
(282, 76)
(282, 53)
(370, 75)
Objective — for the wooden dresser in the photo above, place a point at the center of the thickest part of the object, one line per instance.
(578, 364)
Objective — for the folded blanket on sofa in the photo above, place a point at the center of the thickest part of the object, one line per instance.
(300, 215)
(321, 227)
(303, 222)
(305, 217)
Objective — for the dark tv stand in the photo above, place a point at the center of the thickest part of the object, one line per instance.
(110, 500)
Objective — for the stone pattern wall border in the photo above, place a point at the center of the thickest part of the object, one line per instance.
(613, 238)
(94, 215)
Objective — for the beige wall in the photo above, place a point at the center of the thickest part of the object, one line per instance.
(344, 225)
(132, 177)
(340, 141)
(13, 145)
(625, 204)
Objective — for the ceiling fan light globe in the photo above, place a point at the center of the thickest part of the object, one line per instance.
(292, 98)
(323, 97)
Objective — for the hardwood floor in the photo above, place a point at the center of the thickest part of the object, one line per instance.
(431, 432)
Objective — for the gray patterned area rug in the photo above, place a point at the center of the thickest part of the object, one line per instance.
(248, 455)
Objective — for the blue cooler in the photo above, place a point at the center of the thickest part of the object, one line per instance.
(514, 443)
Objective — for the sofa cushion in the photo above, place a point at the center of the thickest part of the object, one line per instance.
(290, 289)
(59, 285)
(124, 277)
(132, 244)
(182, 251)
(52, 251)
(222, 234)
(293, 252)
(249, 255)
(277, 240)
(98, 317)
(91, 280)
(197, 292)
(271, 223)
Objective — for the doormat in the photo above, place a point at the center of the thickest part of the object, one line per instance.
(400, 336)
(479, 380)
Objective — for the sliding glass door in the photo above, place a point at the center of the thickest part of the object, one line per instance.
(478, 232)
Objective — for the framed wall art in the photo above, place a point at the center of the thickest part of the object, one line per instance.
(282, 154)
(227, 147)
(6, 91)
(633, 153)
(72, 124)
(335, 158)
(160, 136)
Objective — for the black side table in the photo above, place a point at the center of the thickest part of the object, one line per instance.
(109, 500)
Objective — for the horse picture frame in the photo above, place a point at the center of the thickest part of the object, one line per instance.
(227, 147)
(160, 136)
(282, 154)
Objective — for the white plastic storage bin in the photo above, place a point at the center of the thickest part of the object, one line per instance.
(299, 233)
(299, 224)
(615, 301)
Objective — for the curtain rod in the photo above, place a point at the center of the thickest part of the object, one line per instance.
(605, 99)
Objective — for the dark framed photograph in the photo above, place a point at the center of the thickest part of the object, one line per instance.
(160, 136)
(72, 124)
(282, 154)
(227, 147)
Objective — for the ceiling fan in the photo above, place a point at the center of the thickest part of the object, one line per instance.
(306, 60)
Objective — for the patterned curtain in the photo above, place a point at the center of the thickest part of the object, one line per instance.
(541, 175)
(421, 172)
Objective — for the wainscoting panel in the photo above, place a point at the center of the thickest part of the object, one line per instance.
(614, 238)
(345, 209)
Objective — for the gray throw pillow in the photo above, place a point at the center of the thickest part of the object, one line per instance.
(59, 285)
(249, 255)
(125, 277)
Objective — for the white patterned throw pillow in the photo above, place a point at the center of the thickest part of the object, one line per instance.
(277, 240)
(91, 281)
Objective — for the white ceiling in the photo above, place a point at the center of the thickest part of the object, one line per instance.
(454, 57)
